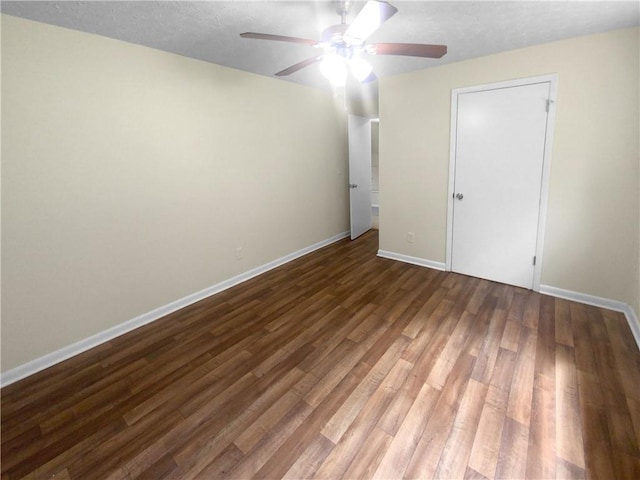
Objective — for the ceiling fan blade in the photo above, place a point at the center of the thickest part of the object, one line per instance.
(298, 66)
(371, 78)
(410, 49)
(279, 38)
(372, 15)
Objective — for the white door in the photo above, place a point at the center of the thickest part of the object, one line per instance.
(499, 153)
(360, 174)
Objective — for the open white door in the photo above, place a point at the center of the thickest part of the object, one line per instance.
(360, 174)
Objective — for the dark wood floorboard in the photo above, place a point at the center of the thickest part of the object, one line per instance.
(341, 364)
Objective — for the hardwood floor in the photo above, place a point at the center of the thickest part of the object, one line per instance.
(342, 365)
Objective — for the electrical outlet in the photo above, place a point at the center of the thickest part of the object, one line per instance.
(410, 237)
(239, 253)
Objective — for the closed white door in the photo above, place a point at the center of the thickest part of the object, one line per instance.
(499, 153)
(360, 174)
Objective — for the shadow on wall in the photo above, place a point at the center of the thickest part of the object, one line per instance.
(362, 99)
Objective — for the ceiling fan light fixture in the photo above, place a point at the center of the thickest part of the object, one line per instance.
(360, 68)
(343, 44)
(333, 68)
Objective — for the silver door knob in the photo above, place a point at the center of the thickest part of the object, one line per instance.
(459, 196)
(353, 185)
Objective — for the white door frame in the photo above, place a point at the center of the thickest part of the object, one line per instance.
(552, 79)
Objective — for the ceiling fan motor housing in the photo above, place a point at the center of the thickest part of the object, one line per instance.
(333, 39)
(334, 34)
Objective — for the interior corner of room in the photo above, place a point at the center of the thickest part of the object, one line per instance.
(132, 178)
(592, 235)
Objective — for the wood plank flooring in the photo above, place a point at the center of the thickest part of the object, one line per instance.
(342, 365)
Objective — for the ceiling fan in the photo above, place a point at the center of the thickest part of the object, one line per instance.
(344, 46)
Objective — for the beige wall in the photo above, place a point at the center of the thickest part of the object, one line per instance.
(592, 231)
(130, 176)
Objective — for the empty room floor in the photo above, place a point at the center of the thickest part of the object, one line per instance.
(342, 364)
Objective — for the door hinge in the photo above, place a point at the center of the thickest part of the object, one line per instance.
(534, 260)
(549, 102)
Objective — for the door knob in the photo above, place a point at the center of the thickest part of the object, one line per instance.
(459, 196)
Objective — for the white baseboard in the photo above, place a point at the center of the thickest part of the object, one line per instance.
(69, 351)
(413, 260)
(632, 318)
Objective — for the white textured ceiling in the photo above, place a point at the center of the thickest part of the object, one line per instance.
(209, 30)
